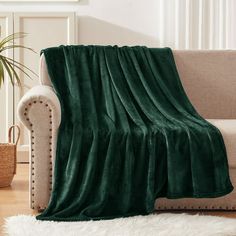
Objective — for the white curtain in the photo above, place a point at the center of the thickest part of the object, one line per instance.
(197, 24)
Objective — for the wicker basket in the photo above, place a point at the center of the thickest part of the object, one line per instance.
(8, 159)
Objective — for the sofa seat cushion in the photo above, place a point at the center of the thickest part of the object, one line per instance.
(228, 130)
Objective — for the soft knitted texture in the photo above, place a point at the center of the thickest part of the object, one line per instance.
(128, 135)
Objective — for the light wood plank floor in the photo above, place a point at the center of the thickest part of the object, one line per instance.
(14, 200)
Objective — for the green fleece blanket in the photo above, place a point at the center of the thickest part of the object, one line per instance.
(128, 135)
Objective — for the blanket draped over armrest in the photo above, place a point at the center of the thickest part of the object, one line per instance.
(128, 135)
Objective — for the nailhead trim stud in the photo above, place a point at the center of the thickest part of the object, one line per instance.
(32, 152)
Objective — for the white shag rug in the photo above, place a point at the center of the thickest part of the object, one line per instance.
(164, 224)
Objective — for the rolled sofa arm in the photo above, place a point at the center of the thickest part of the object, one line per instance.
(39, 110)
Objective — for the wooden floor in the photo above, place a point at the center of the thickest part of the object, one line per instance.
(14, 200)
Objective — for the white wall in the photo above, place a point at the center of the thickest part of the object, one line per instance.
(106, 21)
(183, 24)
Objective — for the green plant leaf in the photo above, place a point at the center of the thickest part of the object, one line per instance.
(10, 65)
(14, 72)
(11, 38)
(22, 70)
(10, 74)
(17, 46)
(20, 64)
(1, 74)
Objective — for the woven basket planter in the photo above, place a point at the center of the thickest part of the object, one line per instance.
(8, 159)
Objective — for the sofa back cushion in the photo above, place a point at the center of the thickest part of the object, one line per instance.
(209, 79)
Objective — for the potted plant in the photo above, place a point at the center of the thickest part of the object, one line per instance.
(10, 67)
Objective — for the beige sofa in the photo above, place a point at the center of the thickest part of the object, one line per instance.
(209, 78)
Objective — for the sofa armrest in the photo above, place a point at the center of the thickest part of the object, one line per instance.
(44, 94)
(39, 110)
